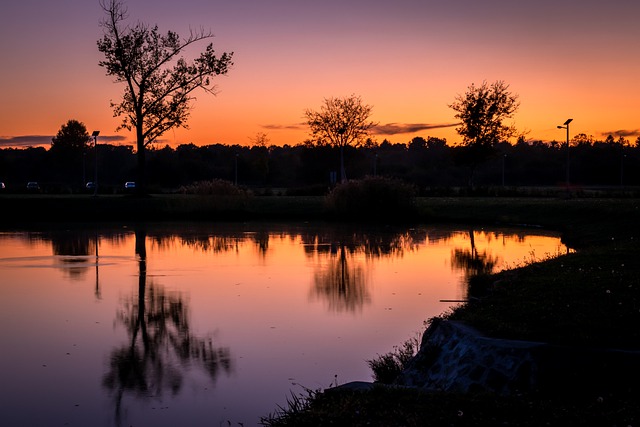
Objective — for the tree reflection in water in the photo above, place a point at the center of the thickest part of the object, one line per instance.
(161, 347)
(343, 280)
(472, 262)
(74, 249)
(344, 288)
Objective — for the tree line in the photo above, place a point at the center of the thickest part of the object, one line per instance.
(430, 163)
(158, 90)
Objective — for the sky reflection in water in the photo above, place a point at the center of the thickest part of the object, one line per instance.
(203, 324)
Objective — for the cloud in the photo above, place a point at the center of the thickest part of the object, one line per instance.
(298, 126)
(622, 132)
(117, 139)
(400, 128)
(386, 129)
(45, 140)
(25, 141)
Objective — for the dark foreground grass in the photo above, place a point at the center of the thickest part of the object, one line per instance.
(589, 298)
(385, 406)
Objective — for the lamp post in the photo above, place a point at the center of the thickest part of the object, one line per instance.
(236, 170)
(566, 126)
(375, 164)
(622, 157)
(95, 170)
(504, 160)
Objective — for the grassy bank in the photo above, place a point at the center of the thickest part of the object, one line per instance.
(582, 221)
(389, 407)
(160, 207)
(590, 298)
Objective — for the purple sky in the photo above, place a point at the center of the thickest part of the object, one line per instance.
(407, 58)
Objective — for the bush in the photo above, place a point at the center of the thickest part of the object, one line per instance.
(387, 367)
(372, 198)
(215, 187)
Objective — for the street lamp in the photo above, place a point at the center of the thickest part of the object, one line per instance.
(236, 170)
(622, 157)
(95, 170)
(566, 126)
(504, 160)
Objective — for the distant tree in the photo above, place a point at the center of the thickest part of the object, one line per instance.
(72, 137)
(261, 139)
(583, 140)
(434, 142)
(417, 143)
(482, 111)
(341, 122)
(261, 160)
(622, 141)
(159, 83)
(67, 151)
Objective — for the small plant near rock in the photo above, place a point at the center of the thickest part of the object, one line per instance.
(387, 367)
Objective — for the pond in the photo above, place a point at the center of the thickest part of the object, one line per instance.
(218, 324)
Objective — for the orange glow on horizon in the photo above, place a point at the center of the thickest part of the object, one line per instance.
(561, 61)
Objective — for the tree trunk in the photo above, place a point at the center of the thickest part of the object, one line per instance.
(343, 173)
(141, 181)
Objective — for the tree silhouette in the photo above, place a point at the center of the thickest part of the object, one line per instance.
(159, 83)
(72, 137)
(482, 111)
(341, 122)
(68, 149)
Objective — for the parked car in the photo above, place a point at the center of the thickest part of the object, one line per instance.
(129, 185)
(33, 186)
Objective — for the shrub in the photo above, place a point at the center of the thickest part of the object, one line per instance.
(372, 198)
(387, 367)
(215, 187)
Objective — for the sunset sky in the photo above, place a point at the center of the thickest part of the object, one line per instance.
(575, 59)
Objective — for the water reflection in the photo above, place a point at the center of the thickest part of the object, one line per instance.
(161, 347)
(342, 279)
(471, 261)
(372, 243)
(281, 297)
(341, 283)
(74, 250)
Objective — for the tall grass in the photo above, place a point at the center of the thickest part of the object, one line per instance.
(372, 198)
(214, 187)
(387, 367)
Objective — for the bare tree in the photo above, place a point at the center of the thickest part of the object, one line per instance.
(341, 122)
(159, 82)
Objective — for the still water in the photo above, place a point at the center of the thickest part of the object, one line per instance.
(217, 324)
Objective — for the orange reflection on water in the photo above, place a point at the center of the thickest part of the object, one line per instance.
(205, 318)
